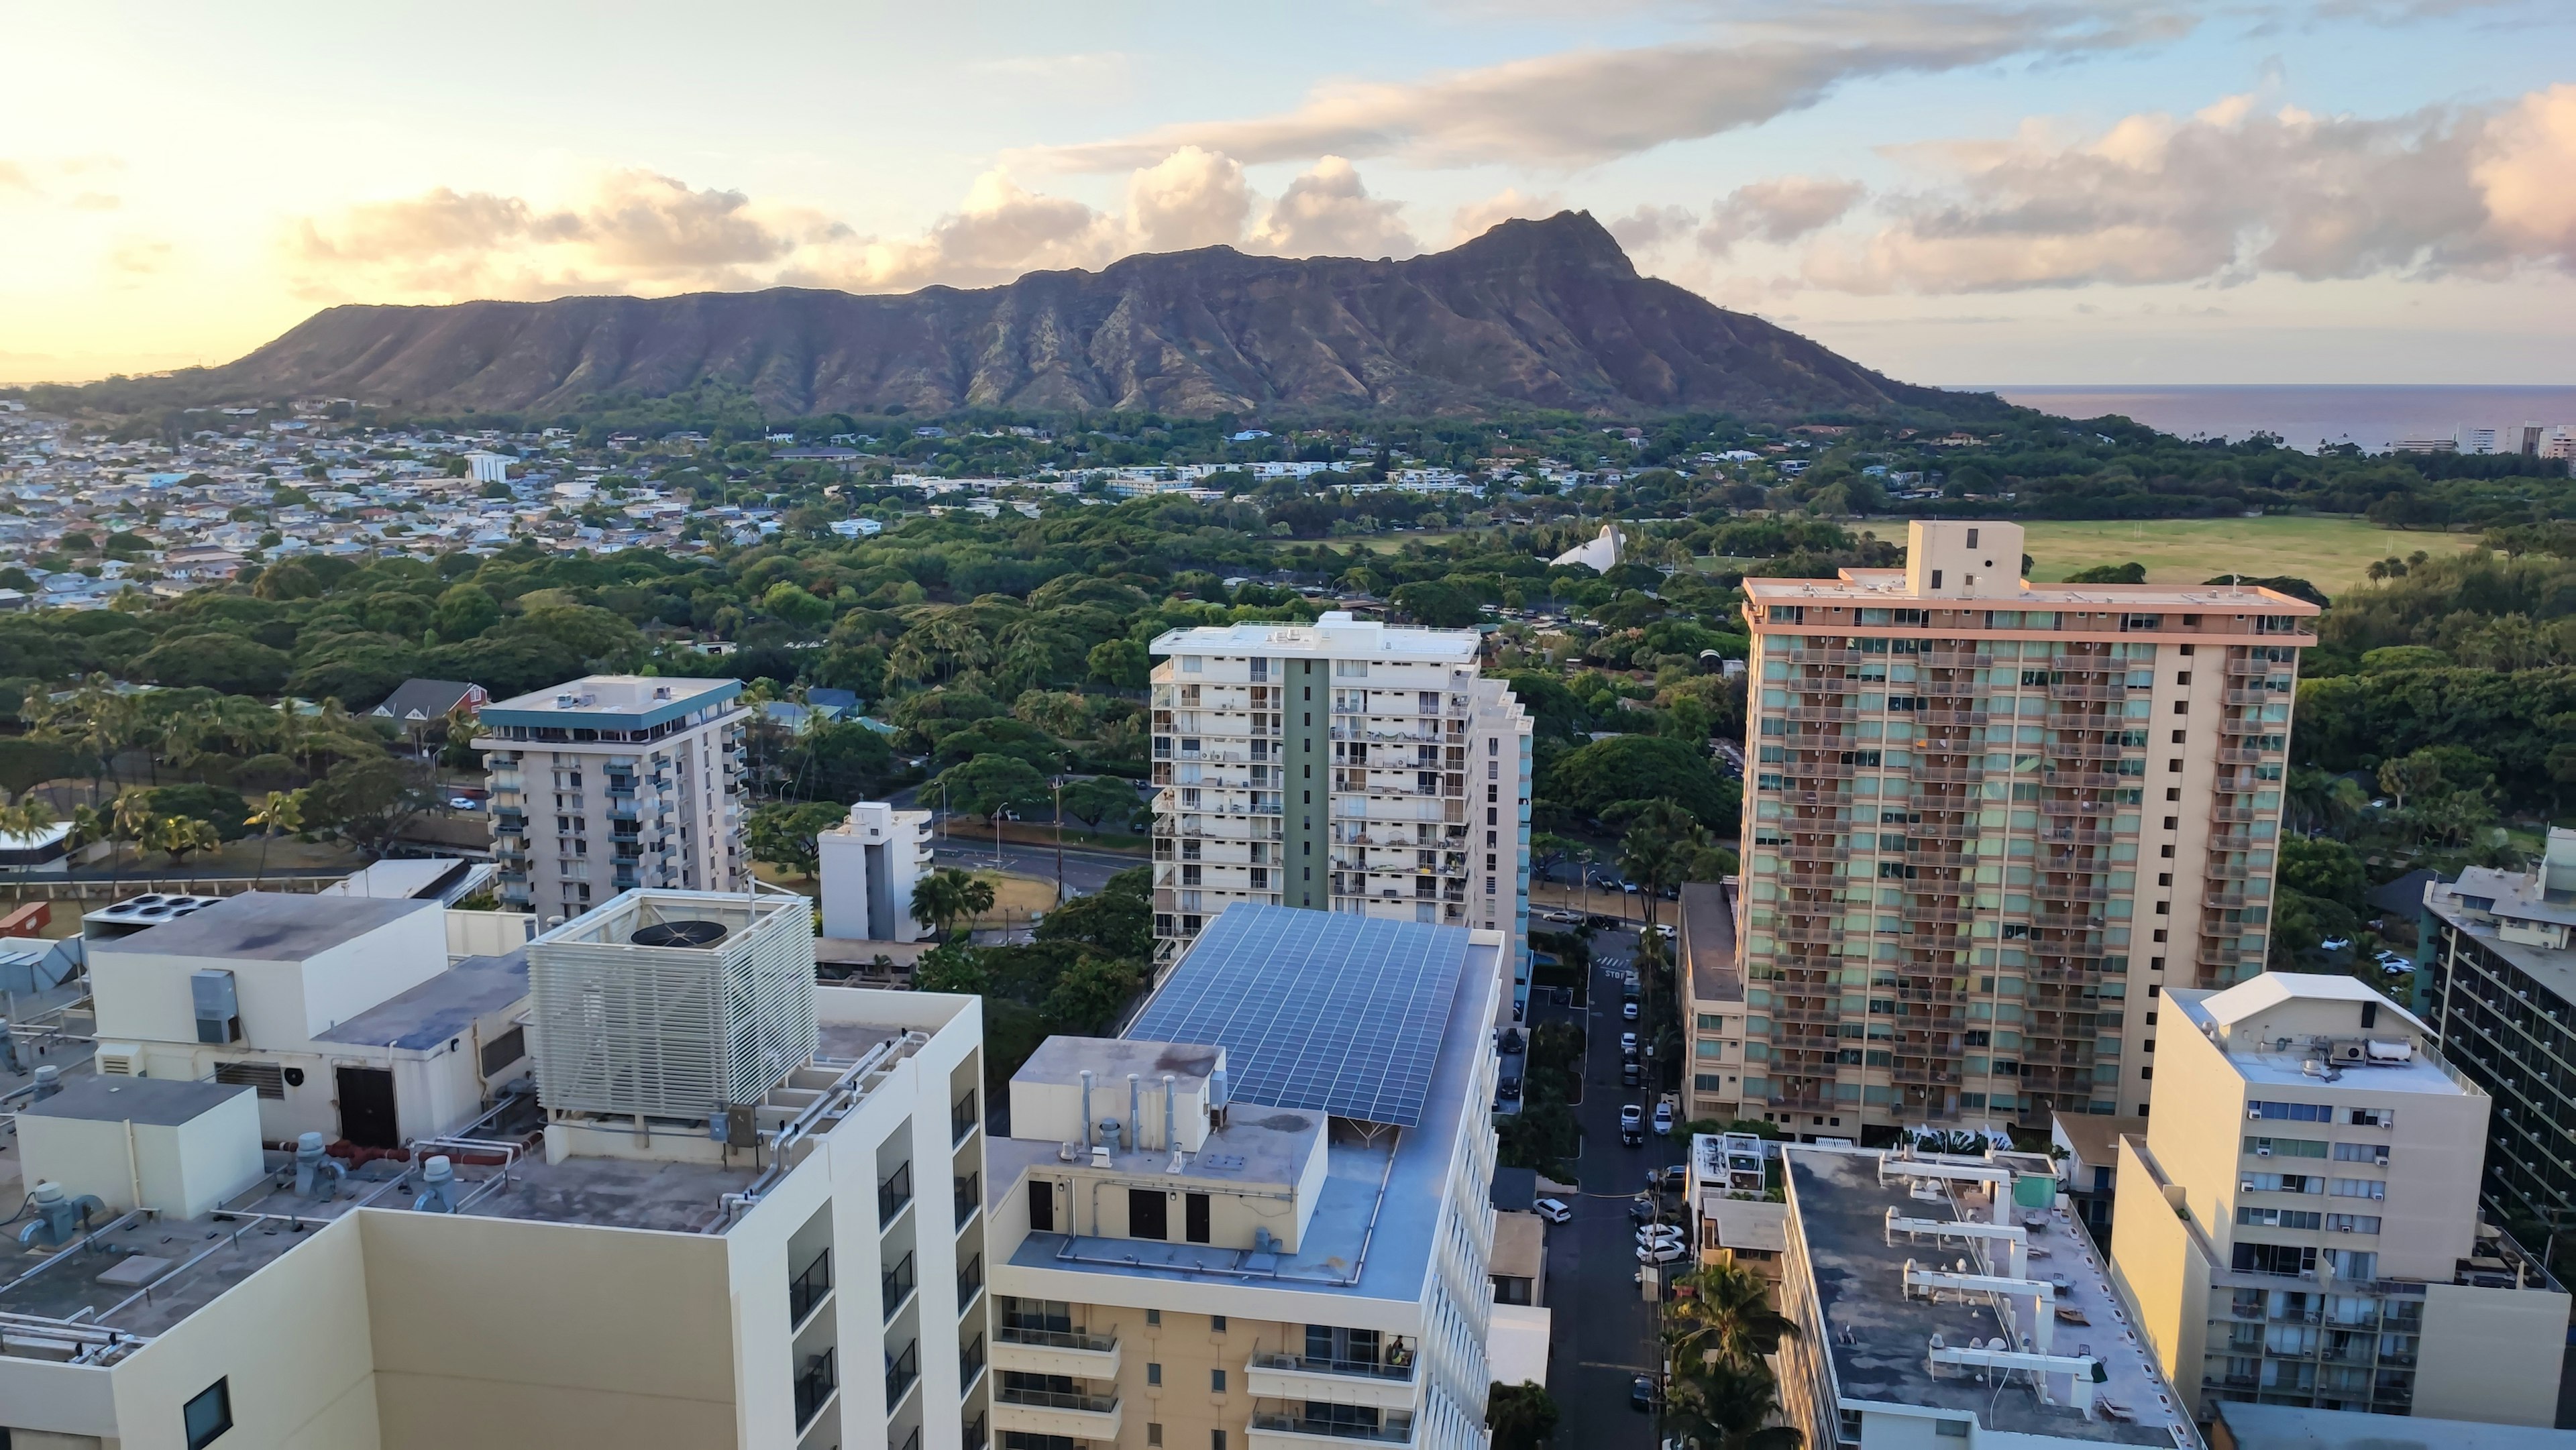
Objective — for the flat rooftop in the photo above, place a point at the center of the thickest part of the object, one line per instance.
(1708, 942)
(2555, 970)
(151, 1101)
(612, 702)
(1880, 1338)
(266, 926)
(1334, 635)
(1878, 587)
(1339, 1254)
(440, 1009)
(2286, 1427)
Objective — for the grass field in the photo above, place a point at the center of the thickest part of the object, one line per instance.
(2334, 554)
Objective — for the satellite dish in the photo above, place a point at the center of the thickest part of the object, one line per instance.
(679, 934)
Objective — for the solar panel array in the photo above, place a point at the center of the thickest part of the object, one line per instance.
(1326, 1011)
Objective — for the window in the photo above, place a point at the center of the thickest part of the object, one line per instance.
(1148, 1214)
(1153, 1432)
(1216, 1440)
(2294, 1112)
(1936, 578)
(1154, 1374)
(1216, 1381)
(209, 1415)
(1216, 1324)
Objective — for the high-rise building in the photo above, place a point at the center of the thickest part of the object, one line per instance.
(749, 1249)
(869, 865)
(2497, 981)
(612, 782)
(1338, 766)
(2299, 1223)
(1989, 820)
(1261, 1220)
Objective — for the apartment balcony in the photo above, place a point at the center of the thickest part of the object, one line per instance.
(1950, 717)
(1946, 774)
(1286, 1429)
(1922, 857)
(2255, 667)
(2088, 692)
(1044, 1412)
(1280, 1376)
(2232, 843)
(2223, 814)
(2087, 780)
(1819, 714)
(1055, 1351)
(1935, 914)
(1814, 935)
(2258, 697)
(1820, 770)
(2225, 900)
(1955, 660)
(2244, 757)
(2058, 921)
(2070, 892)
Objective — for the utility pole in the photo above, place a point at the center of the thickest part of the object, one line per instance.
(1059, 839)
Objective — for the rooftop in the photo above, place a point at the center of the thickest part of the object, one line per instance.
(2260, 1031)
(1336, 634)
(1708, 942)
(439, 1009)
(1880, 1336)
(1886, 587)
(153, 1102)
(2286, 1427)
(1349, 1246)
(612, 702)
(266, 926)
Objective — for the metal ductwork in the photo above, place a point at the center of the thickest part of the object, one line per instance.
(1087, 1139)
(1171, 1129)
(317, 1173)
(59, 1217)
(1135, 1111)
(438, 1186)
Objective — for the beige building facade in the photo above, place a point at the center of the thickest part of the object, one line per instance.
(1988, 821)
(529, 1279)
(2299, 1223)
(1338, 766)
(613, 782)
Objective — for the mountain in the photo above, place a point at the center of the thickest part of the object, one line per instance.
(1533, 313)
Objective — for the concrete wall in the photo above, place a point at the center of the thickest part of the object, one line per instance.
(2161, 1271)
(2198, 1136)
(143, 996)
(292, 1341)
(487, 933)
(2491, 1354)
(614, 1339)
(180, 1170)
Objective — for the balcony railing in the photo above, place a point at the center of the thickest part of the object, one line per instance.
(966, 1194)
(901, 1371)
(961, 1118)
(1057, 1339)
(970, 1361)
(1059, 1400)
(896, 1285)
(1394, 1429)
(894, 1193)
(814, 1387)
(970, 1281)
(1300, 1364)
(809, 1288)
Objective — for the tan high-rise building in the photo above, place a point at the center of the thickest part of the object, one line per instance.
(1989, 821)
(612, 782)
(1338, 766)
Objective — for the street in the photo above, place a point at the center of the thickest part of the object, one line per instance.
(1084, 871)
(1603, 1332)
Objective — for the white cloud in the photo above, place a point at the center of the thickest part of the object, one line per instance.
(1780, 210)
(1191, 198)
(1329, 212)
(2227, 195)
(1649, 227)
(1479, 217)
(1576, 108)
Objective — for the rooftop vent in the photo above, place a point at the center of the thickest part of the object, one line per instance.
(679, 934)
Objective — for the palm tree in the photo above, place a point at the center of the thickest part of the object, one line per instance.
(1721, 1406)
(178, 836)
(279, 811)
(130, 819)
(942, 898)
(27, 817)
(1727, 1317)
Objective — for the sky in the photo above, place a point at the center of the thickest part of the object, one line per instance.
(1952, 191)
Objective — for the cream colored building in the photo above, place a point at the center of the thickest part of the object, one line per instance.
(580, 1281)
(612, 782)
(1710, 968)
(2299, 1224)
(1986, 821)
(869, 865)
(1256, 1223)
(1338, 766)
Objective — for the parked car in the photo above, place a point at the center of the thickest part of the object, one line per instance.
(1642, 1208)
(1512, 1045)
(1553, 1210)
(1631, 1126)
(1627, 1044)
(463, 803)
(1663, 1120)
(1628, 1073)
(1598, 922)
(1664, 1253)
(1659, 1232)
(1562, 917)
(1641, 1392)
(1511, 1092)
(1628, 1010)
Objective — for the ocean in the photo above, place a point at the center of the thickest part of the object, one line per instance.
(2308, 416)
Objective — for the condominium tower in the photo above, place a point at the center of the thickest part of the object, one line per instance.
(1262, 1219)
(2299, 1225)
(1989, 822)
(1338, 766)
(613, 782)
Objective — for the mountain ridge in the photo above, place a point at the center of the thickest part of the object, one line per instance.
(1547, 314)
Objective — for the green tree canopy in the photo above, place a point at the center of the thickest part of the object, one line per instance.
(1596, 778)
(987, 784)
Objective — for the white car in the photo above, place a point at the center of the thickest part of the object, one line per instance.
(1663, 1120)
(1659, 1232)
(1631, 1116)
(1627, 1011)
(1663, 1253)
(1553, 1211)
(1627, 1044)
(463, 803)
(1562, 918)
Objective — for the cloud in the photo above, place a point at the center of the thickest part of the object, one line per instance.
(139, 258)
(1577, 108)
(1649, 227)
(95, 201)
(14, 177)
(2227, 195)
(1479, 217)
(1328, 212)
(1191, 198)
(1776, 211)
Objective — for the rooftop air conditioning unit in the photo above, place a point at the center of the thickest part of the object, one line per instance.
(2245, 1187)
(118, 1059)
(2351, 1052)
(2253, 1114)
(2264, 1151)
